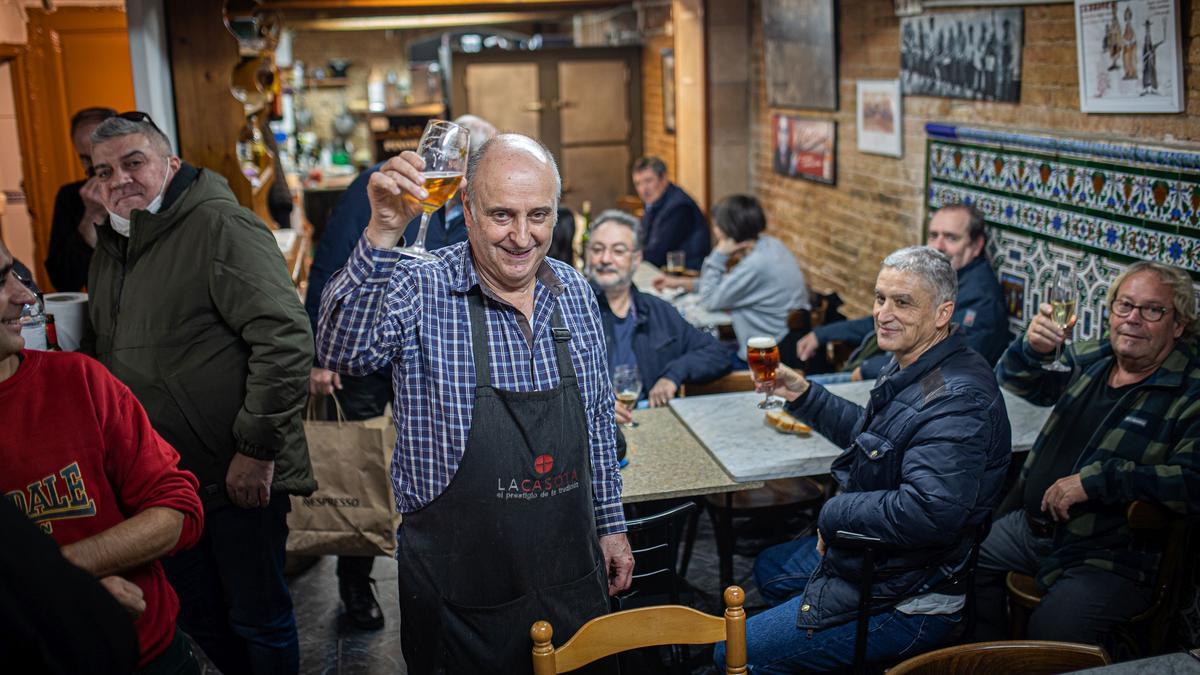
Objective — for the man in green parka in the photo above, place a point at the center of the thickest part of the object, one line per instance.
(193, 309)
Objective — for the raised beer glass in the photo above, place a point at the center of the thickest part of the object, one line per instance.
(627, 384)
(444, 146)
(762, 353)
(1061, 296)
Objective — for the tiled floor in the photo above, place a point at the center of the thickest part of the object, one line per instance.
(330, 647)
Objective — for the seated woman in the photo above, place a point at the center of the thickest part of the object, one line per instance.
(751, 275)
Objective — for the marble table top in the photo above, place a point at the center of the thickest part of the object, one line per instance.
(688, 304)
(666, 461)
(733, 430)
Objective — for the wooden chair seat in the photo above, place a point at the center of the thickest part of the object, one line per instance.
(644, 627)
(1176, 535)
(1028, 657)
(1023, 590)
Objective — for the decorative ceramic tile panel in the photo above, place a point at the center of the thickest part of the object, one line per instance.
(1051, 202)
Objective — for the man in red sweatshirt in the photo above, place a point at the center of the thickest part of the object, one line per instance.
(80, 459)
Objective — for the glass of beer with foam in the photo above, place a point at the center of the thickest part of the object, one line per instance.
(762, 353)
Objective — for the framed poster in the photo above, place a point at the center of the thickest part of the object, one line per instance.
(668, 89)
(800, 52)
(973, 55)
(805, 148)
(1130, 56)
(879, 117)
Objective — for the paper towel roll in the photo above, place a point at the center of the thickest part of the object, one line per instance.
(70, 317)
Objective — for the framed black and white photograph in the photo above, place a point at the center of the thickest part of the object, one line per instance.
(879, 117)
(668, 89)
(972, 55)
(800, 52)
(1130, 56)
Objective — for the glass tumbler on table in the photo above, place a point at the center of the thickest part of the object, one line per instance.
(676, 263)
(628, 386)
(1062, 297)
(762, 353)
(444, 146)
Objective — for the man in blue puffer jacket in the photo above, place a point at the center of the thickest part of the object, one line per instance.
(923, 466)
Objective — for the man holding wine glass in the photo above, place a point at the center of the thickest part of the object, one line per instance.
(1125, 427)
(642, 331)
(923, 466)
(505, 466)
(366, 397)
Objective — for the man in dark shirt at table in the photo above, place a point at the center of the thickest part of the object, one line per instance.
(641, 329)
(672, 220)
(77, 210)
(1125, 426)
(956, 230)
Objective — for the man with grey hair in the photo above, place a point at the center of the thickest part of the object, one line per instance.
(505, 464)
(192, 308)
(642, 330)
(366, 397)
(958, 231)
(922, 468)
(1125, 428)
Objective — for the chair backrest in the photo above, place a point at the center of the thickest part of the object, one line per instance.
(655, 543)
(738, 380)
(1176, 536)
(1028, 657)
(644, 627)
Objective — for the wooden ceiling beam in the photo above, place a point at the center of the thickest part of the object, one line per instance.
(360, 7)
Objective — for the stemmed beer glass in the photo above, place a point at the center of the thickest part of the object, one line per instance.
(444, 146)
(762, 353)
(628, 386)
(1062, 297)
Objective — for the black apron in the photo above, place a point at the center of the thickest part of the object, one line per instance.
(512, 539)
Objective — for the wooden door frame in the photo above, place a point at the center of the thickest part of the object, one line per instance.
(547, 61)
(26, 90)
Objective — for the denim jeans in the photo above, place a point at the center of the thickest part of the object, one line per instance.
(234, 601)
(775, 645)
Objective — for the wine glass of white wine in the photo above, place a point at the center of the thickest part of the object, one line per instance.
(628, 386)
(1062, 297)
(444, 146)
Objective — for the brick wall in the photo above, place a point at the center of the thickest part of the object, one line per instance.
(655, 139)
(840, 233)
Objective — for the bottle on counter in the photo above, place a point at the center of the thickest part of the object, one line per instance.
(33, 325)
(376, 91)
(51, 335)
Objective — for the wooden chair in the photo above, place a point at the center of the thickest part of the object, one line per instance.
(780, 496)
(1148, 632)
(644, 627)
(738, 380)
(1028, 657)
(654, 541)
(962, 582)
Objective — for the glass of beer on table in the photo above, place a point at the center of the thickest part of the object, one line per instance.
(444, 146)
(627, 384)
(762, 353)
(676, 263)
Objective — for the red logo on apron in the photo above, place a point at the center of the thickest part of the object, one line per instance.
(543, 464)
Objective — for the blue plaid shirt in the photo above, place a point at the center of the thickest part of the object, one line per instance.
(413, 315)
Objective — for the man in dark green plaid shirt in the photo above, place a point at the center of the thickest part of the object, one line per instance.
(1125, 424)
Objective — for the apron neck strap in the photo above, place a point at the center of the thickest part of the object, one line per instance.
(479, 341)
